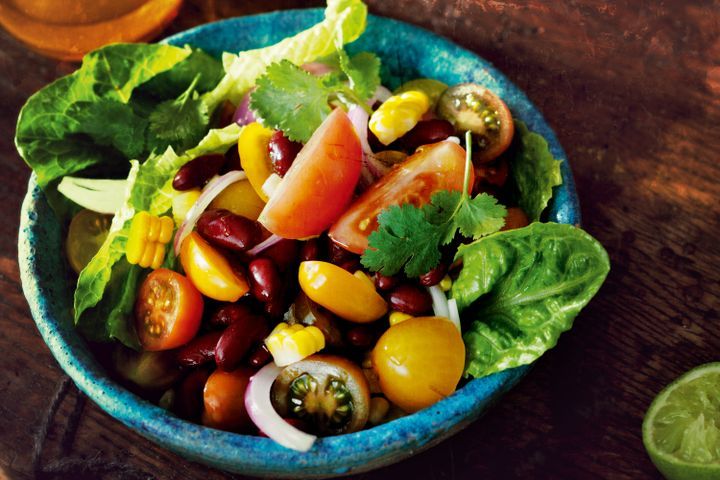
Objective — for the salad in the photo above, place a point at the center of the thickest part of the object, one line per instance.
(278, 244)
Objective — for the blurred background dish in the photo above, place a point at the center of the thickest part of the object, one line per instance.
(66, 30)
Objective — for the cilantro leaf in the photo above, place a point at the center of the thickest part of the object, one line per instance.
(179, 123)
(291, 100)
(480, 216)
(404, 237)
(411, 237)
(362, 72)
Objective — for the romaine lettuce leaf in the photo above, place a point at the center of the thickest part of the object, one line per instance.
(534, 171)
(100, 315)
(92, 118)
(344, 20)
(523, 288)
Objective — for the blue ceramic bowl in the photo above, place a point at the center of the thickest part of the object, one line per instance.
(407, 52)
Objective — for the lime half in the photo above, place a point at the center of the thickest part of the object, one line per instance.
(681, 430)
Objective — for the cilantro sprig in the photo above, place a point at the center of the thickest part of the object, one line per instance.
(292, 100)
(410, 237)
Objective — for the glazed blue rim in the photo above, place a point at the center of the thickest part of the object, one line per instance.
(43, 279)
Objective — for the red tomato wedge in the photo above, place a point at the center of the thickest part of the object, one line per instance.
(440, 166)
(320, 183)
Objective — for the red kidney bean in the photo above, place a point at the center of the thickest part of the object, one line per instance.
(259, 357)
(282, 152)
(189, 399)
(265, 281)
(426, 132)
(277, 308)
(410, 299)
(236, 340)
(310, 250)
(284, 253)
(360, 336)
(224, 229)
(338, 255)
(200, 350)
(434, 276)
(351, 265)
(494, 174)
(232, 160)
(230, 313)
(385, 283)
(197, 172)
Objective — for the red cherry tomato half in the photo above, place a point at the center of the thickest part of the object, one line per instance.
(168, 310)
(440, 166)
(320, 183)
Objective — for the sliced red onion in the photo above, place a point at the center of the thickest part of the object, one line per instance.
(267, 243)
(271, 184)
(317, 68)
(454, 313)
(264, 416)
(211, 190)
(243, 113)
(381, 94)
(359, 118)
(440, 301)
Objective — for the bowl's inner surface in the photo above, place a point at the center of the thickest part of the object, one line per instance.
(406, 52)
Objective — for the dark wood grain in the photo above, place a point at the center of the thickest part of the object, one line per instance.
(632, 91)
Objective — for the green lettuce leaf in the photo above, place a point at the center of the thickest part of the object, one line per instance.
(102, 297)
(120, 105)
(534, 171)
(523, 288)
(344, 20)
(84, 119)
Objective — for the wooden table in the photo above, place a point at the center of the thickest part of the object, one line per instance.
(632, 91)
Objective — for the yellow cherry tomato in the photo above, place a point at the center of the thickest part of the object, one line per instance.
(419, 361)
(88, 230)
(241, 199)
(341, 292)
(210, 271)
(254, 156)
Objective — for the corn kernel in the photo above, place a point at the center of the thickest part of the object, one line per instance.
(291, 343)
(147, 238)
(446, 283)
(398, 115)
(398, 317)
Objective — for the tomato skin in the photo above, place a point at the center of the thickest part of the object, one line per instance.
(168, 310)
(210, 271)
(224, 400)
(320, 183)
(254, 156)
(341, 292)
(419, 362)
(440, 166)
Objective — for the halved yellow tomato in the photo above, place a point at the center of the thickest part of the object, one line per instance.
(210, 271)
(346, 295)
(440, 166)
(320, 183)
(254, 157)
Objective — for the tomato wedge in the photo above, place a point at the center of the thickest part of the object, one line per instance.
(168, 310)
(320, 183)
(440, 166)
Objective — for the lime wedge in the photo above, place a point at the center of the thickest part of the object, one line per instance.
(681, 430)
